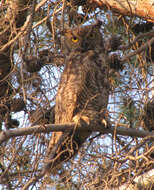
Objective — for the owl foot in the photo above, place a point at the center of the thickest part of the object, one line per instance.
(78, 119)
(104, 122)
(85, 119)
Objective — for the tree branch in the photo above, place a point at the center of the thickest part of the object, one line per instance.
(141, 8)
(139, 50)
(6, 135)
(143, 182)
(22, 32)
(138, 37)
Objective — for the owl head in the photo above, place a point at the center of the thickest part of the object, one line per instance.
(83, 38)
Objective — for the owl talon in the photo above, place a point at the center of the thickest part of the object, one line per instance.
(77, 119)
(85, 119)
(104, 122)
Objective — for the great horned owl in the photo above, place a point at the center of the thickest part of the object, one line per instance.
(83, 90)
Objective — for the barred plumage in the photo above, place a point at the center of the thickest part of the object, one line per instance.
(83, 90)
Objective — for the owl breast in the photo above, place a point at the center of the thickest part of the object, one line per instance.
(83, 88)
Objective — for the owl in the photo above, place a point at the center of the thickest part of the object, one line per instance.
(83, 92)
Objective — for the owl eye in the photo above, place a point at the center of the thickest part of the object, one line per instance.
(75, 39)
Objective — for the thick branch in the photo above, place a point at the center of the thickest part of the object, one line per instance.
(141, 8)
(5, 135)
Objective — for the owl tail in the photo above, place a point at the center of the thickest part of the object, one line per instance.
(66, 147)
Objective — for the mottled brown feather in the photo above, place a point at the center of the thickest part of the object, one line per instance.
(83, 90)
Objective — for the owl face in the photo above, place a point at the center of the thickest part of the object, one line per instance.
(83, 39)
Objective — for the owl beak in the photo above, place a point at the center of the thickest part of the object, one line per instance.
(85, 46)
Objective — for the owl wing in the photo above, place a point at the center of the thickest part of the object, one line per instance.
(71, 83)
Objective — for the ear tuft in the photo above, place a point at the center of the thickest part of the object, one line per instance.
(62, 32)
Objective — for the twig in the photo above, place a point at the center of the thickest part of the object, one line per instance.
(23, 29)
(33, 180)
(140, 36)
(40, 5)
(139, 50)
